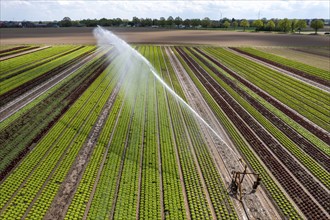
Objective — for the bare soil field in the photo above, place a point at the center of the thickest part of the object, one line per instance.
(84, 35)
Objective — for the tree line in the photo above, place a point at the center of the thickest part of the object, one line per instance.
(285, 25)
(274, 24)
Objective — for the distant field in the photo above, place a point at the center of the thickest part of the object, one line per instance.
(314, 56)
(159, 36)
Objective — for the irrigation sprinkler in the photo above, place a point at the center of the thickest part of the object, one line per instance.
(237, 182)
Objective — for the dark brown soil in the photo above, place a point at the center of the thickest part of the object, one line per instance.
(84, 35)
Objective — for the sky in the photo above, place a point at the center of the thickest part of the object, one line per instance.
(56, 10)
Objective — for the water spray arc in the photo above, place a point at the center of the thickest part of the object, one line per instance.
(106, 38)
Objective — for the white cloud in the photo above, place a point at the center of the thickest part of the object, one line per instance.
(78, 9)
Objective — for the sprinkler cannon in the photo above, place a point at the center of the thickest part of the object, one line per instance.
(237, 180)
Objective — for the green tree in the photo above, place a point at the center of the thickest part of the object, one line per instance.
(187, 22)
(178, 21)
(301, 24)
(270, 25)
(226, 24)
(206, 22)
(317, 24)
(155, 21)
(162, 21)
(244, 23)
(148, 22)
(195, 22)
(136, 21)
(117, 22)
(235, 25)
(293, 25)
(284, 25)
(105, 22)
(170, 21)
(66, 22)
(258, 24)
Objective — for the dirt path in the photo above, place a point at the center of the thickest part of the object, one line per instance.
(256, 206)
(278, 69)
(69, 186)
(21, 101)
(22, 53)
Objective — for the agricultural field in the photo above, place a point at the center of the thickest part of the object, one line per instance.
(90, 132)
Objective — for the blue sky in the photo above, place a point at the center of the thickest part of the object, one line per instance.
(50, 10)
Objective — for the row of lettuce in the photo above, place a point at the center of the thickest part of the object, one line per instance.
(149, 140)
(264, 77)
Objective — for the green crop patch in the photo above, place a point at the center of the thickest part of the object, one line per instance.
(109, 132)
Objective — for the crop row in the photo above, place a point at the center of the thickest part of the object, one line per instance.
(306, 100)
(17, 65)
(150, 206)
(16, 50)
(218, 194)
(84, 190)
(217, 190)
(106, 191)
(278, 196)
(196, 197)
(6, 122)
(57, 148)
(301, 69)
(30, 127)
(298, 123)
(8, 48)
(127, 199)
(49, 74)
(285, 134)
(50, 191)
(315, 189)
(172, 190)
(14, 82)
(91, 175)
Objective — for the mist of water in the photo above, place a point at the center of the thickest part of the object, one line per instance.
(106, 38)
